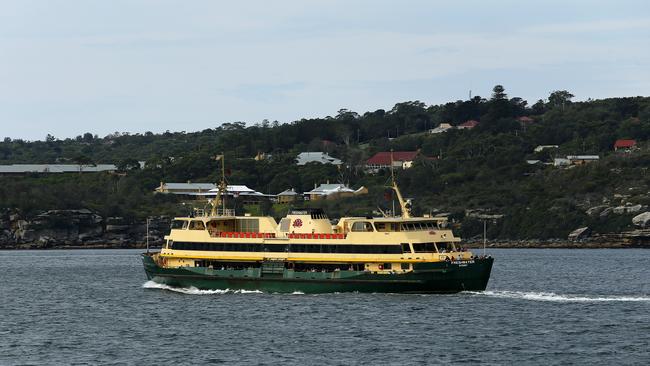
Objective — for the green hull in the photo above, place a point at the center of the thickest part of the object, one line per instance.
(441, 277)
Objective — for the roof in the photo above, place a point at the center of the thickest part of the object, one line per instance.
(316, 157)
(239, 189)
(624, 143)
(525, 119)
(441, 128)
(55, 168)
(469, 124)
(383, 158)
(583, 157)
(288, 192)
(190, 186)
(327, 189)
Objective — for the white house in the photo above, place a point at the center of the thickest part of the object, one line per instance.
(443, 127)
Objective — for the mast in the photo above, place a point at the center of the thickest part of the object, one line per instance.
(221, 192)
(406, 211)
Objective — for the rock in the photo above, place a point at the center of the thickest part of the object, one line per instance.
(579, 233)
(634, 208)
(629, 208)
(606, 212)
(596, 210)
(642, 220)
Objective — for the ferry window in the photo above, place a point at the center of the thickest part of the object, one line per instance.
(284, 224)
(444, 247)
(185, 223)
(406, 248)
(362, 226)
(406, 266)
(424, 247)
(388, 265)
(197, 225)
(249, 225)
(177, 224)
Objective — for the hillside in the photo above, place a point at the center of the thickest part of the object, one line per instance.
(479, 170)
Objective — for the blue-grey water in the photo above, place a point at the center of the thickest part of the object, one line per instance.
(542, 307)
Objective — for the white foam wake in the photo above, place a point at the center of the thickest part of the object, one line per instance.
(550, 296)
(194, 290)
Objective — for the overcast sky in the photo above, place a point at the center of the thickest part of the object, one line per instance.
(69, 67)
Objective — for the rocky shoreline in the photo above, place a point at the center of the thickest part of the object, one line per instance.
(85, 229)
(78, 229)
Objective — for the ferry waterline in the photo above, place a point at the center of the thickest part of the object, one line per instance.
(305, 253)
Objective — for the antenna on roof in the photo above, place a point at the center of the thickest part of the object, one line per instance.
(406, 211)
(221, 193)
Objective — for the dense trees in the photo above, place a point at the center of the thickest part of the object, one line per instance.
(482, 168)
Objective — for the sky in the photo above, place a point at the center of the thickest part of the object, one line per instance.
(76, 66)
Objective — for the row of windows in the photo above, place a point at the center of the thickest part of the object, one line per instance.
(295, 248)
(243, 225)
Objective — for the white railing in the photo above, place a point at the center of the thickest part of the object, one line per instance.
(225, 212)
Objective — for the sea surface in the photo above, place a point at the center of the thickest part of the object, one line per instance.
(542, 307)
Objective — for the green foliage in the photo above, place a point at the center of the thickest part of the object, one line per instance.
(481, 168)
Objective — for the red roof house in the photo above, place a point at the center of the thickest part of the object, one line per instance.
(381, 160)
(525, 119)
(624, 144)
(467, 125)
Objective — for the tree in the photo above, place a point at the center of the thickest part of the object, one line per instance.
(125, 165)
(498, 93)
(559, 98)
(83, 161)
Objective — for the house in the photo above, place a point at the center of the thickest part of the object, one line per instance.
(443, 127)
(287, 196)
(57, 168)
(382, 160)
(467, 125)
(582, 159)
(541, 148)
(332, 191)
(262, 156)
(316, 157)
(533, 162)
(237, 190)
(187, 189)
(561, 162)
(525, 120)
(625, 145)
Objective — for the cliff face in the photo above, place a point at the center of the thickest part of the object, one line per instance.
(77, 228)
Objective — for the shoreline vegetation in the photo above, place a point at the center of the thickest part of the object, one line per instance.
(548, 171)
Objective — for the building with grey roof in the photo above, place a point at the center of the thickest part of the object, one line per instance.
(316, 157)
(55, 168)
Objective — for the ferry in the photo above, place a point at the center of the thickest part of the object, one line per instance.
(306, 253)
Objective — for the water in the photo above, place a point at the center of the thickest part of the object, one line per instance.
(542, 307)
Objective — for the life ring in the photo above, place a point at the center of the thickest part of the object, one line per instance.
(381, 267)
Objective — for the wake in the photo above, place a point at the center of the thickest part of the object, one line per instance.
(553, 297)
(195, 291)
